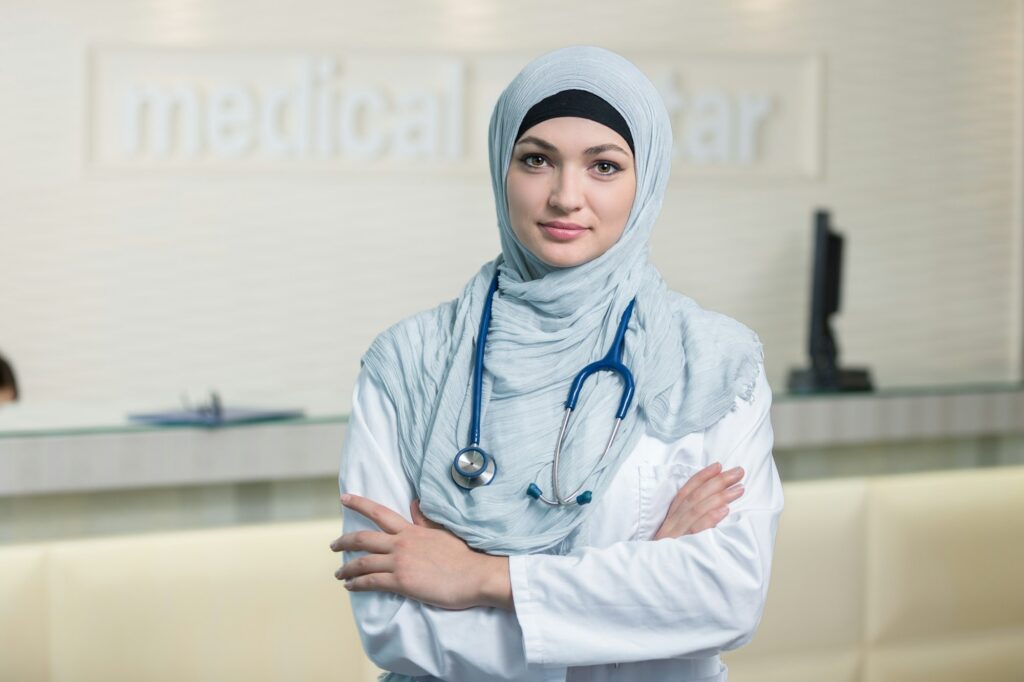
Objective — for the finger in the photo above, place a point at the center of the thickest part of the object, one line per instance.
(719, 483)
(419, 519)
(417, 516)
(710, 520)
(364, 541)
(386, 519)
(684, 514)
(702, 476)
(719, 499)
(381, 582)
(691, 524)
(371, 563)
(694, 482)
(708, 487)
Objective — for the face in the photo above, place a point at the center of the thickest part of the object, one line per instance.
(570, 186)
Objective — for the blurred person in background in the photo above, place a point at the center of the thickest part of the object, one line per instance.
(8, 382)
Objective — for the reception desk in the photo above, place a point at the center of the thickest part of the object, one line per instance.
(105, 453)
(88, 473)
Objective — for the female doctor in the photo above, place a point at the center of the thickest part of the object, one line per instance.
(564, 473)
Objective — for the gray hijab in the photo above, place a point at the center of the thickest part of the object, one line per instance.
(689, 364)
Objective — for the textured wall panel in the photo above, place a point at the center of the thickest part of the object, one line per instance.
(271, 284)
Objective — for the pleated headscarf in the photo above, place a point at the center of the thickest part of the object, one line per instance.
(689, 364)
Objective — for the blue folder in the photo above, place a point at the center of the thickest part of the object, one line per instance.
(225, 416)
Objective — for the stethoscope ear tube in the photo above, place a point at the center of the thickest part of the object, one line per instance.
(473, 467)
(586, 496)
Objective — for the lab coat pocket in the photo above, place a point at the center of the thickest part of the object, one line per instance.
(658, 485)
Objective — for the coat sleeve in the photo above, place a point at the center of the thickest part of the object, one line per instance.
(692, 596)
(400, 634)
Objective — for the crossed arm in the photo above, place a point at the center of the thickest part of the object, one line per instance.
(637, 600)
(421, 560)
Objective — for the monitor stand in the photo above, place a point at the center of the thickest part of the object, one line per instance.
(835, 381)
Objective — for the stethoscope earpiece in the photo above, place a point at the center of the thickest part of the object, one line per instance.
(534, 491)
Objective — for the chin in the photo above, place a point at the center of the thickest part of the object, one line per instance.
(564, 260)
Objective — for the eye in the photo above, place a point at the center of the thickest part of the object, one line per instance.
(606, 168)
(529, 159)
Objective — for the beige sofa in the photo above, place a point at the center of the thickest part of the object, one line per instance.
(913, 577)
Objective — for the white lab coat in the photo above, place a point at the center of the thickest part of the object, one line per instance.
(611, 606)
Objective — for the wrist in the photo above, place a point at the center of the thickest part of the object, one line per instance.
(495, 583)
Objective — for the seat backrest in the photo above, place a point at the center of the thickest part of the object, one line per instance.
(250, 602)
(901, 577)
(24, 612)
(911, 577)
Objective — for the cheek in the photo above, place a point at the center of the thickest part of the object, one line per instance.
(522, 196)
(618, 204)
(513, 195)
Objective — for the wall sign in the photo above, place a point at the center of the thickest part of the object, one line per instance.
(249, 108)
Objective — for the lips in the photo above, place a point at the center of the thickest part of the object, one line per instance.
(562, 231)
(559, 225)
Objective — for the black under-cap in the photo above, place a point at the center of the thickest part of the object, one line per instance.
(579, 103)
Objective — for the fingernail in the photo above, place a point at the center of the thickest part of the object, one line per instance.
(345, 499)
(347, 585)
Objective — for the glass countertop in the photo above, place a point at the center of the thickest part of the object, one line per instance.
(71, 418)
(55, 418)
(910, 391)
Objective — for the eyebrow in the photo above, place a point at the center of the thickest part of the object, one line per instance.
(589, 151)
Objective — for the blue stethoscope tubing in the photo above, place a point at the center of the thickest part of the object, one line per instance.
(474, 467)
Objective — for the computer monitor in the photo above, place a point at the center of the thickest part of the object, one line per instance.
(824, 374)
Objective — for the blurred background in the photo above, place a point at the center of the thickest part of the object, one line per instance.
(215, 196)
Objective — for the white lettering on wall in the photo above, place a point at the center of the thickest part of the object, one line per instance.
(229, 122)
(714, 126)
(170, 111)
(313, 116)
(189, 107)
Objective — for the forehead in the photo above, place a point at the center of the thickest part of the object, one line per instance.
(568, 133)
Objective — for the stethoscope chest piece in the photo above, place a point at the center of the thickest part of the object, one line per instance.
(472, 468)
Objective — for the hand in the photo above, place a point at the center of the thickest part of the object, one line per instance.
(700, 503)
(422, 560)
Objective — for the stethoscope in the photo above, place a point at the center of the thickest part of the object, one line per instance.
(473, 467)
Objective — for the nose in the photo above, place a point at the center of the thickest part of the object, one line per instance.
(566, 191)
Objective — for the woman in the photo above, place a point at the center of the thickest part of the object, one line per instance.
(630, 565)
